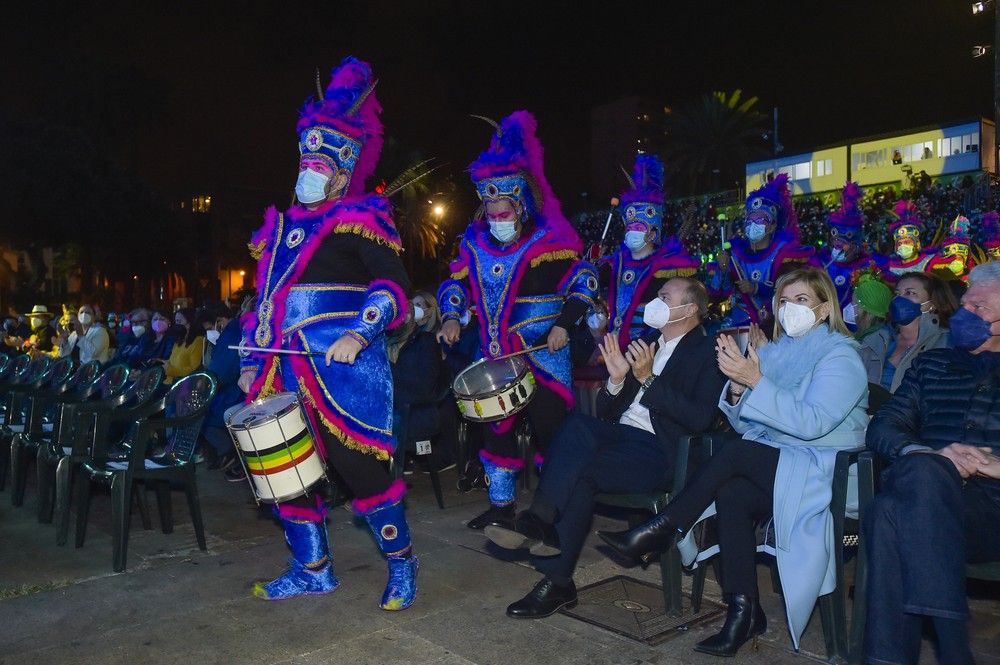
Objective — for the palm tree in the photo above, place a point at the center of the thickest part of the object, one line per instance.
(710, 140)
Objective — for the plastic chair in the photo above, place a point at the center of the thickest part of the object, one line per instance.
(188, 400)
(30, 401)
(79, 423)
(9, 369)
(404, 442)
(670, 561)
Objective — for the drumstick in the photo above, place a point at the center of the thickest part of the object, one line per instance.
(522, 352)
(287, 352)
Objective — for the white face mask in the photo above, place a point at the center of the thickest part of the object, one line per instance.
(635, 240)
(138, 331)
(37, 322)
(850, 316)
(795, 319)
(755, 231)
(465, 318)
(838, 255)
(212, 335)
(505, 232)
(596, 321)
(418, 312)
(86, 318)
(656, 313)
(905, 251)
(311, 186)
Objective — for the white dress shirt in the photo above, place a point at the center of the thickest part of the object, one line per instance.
(636, 415)
(94, 345)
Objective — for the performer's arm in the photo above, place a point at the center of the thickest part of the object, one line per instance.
(580, 286)
(386, 303)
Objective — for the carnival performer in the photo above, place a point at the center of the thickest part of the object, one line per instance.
(329, 279)
(519, 264)
(846, 252)
(991, 235)
(634, 273)
(748, 273)
(910, 254)
(954, 259)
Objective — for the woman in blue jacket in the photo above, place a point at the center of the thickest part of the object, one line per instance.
(793, 403)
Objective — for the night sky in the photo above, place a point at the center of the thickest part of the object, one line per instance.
(194, 96)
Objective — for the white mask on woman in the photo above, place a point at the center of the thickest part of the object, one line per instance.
(212, 335)
(795, 319)
(850, 315)
(418, 312)
(86, 318)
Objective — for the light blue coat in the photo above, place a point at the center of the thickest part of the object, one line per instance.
(810, 403)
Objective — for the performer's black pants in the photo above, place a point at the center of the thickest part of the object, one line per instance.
(363, 473)
(740, 479)
(546, 412)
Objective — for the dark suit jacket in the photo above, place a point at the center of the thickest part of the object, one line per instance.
(683, 399)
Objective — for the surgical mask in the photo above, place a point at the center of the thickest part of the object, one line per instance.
(138, 331)
(212, 335)
(850, 315)
(418, 313)
(635, 240)
(755, 231)
(160, 326)
(656, 313)
(311, 186)
(838, 255)
(464, 319)
(903, 311)
(505, 232)
(37, 322)
(795, 319)
(905, 251)
(596, 320)
(86, 319)
(969, 331)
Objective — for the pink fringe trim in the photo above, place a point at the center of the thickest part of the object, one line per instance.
(509, 463)
(292, 512)
(370, 504)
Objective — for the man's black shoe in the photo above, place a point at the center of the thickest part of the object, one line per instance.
(528, 531)
(544, 600)
(495, 515)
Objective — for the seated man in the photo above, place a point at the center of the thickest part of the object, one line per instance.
(663, 387)
(940, 502)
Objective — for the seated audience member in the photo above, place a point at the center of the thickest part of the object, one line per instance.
(86, 339)
(41, 341)
(793, 403)
(940, 502)
(135, 346)
(663, 387)
(919, 315)
(419, 373)
(113, 328)
(163, 340)
(225, 363)
(868, 312)
(188, 348)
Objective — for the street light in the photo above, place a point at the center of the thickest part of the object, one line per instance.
(438, 210)
(980, 7)
(979, 51)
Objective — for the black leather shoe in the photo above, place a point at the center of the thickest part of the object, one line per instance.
(544, 600)
(745, 620)
(528, 531)
(645, 541)
(495, 515)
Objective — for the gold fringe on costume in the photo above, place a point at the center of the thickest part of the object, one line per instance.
(461, 274)
(257, 251)
(363, 231)
(559, 255)
(677, 272)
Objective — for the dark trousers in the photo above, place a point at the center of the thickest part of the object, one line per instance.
(922, 529)
(363, 473)
(546, 411)
(740, 480)
(587, 457)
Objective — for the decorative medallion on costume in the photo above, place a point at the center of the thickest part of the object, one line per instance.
(991, 235)
(642, 264)
(955, 256)
(525, 278)
(301, 307)
(846, 253)
(910, 255)
(755, 262)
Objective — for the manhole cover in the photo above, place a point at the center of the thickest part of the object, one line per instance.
(635, 609)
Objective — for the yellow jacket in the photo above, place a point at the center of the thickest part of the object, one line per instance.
(184, 359)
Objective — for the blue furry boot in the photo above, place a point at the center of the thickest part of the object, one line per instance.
(388, 523)
(310, 569)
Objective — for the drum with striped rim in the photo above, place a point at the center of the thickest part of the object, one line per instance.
(277, 447)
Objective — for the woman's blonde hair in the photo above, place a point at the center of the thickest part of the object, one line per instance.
(819, 281)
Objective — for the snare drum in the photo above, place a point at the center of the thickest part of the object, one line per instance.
(277, 447)
(489, 390)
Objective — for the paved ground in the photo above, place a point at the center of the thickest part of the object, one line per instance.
(176, 604)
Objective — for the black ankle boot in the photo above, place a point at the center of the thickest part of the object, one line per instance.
(645, 541)
(745, 620)
(495, 515)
